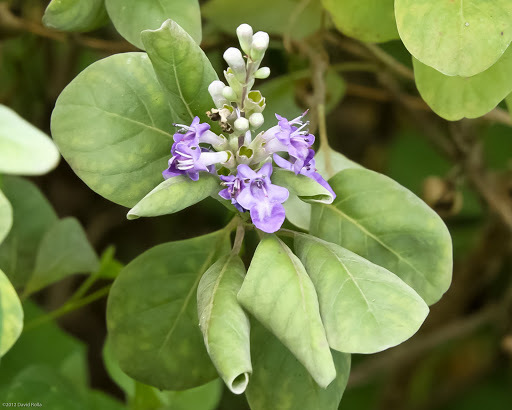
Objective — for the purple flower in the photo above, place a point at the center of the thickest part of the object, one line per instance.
(196, 133)
(233, 186)
(262, 198)
(288, 138)
(307, 168)
(190, 160)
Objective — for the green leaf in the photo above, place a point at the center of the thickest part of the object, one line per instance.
(298, 212)
(224, 324)
(43, 385)
(75, 15)
(152, 314)
(460, 38)
(113, 126)
(183, 69)
(385, 223)
(283, 16)
(307, 189)
(24, 149)
(372, 21)
(64, 251)
(60, 351)
(329, 162)
(278, 292)
(109, 266)
(12, 315)
(364, 307)
(32, 217)
(5, 216)
(142, 397)
(454, 98)
(131, 17)
(175, 194)
(280, 382)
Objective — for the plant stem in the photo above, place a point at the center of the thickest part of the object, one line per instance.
(69, 306)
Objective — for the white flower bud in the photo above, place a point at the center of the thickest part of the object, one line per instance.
(235, 60)
(244, 33)
(215, 90)
(259, 45)
(229, 94)
(256, 120)
(241, 125)
(262, 73)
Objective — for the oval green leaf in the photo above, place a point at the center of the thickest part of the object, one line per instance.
(224, 324)
(372, 21)
(460, 38)
(45, 384)
(364, 307)
(131, 17)
(75, 15)
(152, 314)
(183, 70)
(5, 216)
(64, 250)
(387, 224)
(280, 382)
(454, 98)
(12, 315)
(32, 217)
(24, 149)
(113, 126)
(175, 194)
(307, 189)
(278, 292)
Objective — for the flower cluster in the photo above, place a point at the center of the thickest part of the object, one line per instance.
(244, 159)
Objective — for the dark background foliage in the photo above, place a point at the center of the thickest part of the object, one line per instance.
(461, 358)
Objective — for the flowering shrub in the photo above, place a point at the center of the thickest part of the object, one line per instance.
(358, 280)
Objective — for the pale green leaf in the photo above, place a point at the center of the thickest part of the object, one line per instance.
(307, 189)
(64, 251)
(12, 315)
(131, 17)
(98, 400)
(387, 224)
(60, 351)
(364, 307)
(152, 314)
(175, 194)
(366, 20)
(42, 384)
(32, 217)
(5, 216)
(293, 17)
(329, 162)
(142, 397)
(112, 124)
(224, 324)
(24, 149)
(508, 100)
(460, 38)
(280, 382)
(454, 98)
(278, 292)
(298, 212)
(75, 15)
(183, 70)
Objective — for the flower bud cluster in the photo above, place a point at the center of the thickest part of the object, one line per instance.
(244, 159)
